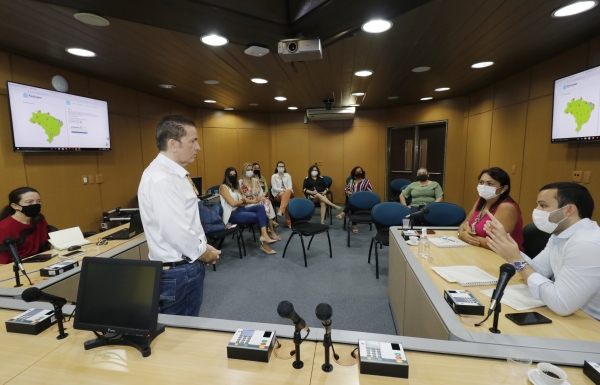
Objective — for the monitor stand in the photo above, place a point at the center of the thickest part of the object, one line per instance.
(140, 343)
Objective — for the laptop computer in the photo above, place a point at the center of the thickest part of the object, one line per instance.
(135, 228)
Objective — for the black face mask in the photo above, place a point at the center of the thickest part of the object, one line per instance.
(422, 177)
(359, 175)
(31, 210)
(232, 179)
(257, 173)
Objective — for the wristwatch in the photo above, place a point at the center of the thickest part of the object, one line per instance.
(520, 265)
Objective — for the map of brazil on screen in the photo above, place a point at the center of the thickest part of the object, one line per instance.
(49, 123)
(581, 110)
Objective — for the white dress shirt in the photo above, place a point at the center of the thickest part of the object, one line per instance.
(276, 183)
(169, 211)
(567, 274)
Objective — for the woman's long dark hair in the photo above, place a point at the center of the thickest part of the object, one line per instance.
(311, 168)
(15, 197)
(354, 171)
(500, 176)
(226, 181)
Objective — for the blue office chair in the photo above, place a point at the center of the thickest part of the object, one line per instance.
(534, 240)
(409, 199)
(396, 186)
(216, 238)
(213, 190)
(385, 215)
(327, 207)
(444, 214)
(361, 202)
(301, 211)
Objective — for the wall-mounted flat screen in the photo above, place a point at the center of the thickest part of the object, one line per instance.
(44, 120)
(576, 105)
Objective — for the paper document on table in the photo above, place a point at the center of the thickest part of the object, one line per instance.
(447, 242)
(518, 297)
(466, 275)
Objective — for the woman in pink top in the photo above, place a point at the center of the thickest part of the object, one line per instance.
(494, 190)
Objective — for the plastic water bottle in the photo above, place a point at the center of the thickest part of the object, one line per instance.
(423, 250)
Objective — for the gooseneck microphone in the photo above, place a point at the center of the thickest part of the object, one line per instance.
(33, 294)
(506, 272)
(285, 309)
(11, 245)
(424, 210)
(324, 313)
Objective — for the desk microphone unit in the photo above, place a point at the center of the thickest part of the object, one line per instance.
(251, 345)
(118, 300)
(464, 302)
(382, 359)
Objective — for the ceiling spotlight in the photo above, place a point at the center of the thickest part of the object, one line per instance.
(211, 82)
(292, 108)
(442, 89)
(210, 101)
(214, 40)
(376, 26)
(363, 73)
(259, 80)
(253, 104)
(80, 52)
(354, 105)
(575, 8)
(421, 69)
(91, 19)
(427, 98)
(167, 85)
(358, 94)
(392, 97)
(483, 64)
(280, 98)
(228, 109)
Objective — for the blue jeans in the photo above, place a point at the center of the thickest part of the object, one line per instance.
(181, 289)
(252, 214)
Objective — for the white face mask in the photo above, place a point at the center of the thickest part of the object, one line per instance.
(541, 219)
(487, 192)
(281, 169)
(314, 173)
(249, 174)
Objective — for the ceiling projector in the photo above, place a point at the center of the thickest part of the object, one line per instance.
(299, 50)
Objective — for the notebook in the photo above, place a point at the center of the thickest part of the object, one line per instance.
(518, 297)
(466, 275)
(64, 239)
(448, 242)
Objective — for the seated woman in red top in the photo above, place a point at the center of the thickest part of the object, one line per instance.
(494, 190)
(22, 220)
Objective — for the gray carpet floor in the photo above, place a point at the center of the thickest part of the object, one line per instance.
(251, 288)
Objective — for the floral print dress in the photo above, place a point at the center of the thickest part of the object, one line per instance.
(253, 191)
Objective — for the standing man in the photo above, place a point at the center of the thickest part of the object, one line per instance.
(169, 211)
(566, 274)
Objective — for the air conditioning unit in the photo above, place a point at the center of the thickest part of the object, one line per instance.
(332, 114)
(300, 50)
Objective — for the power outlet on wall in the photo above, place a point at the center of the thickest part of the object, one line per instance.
(577, 175)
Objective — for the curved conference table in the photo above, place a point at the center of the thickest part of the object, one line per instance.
(440, 349)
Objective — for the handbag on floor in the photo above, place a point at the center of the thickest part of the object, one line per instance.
(209, 217)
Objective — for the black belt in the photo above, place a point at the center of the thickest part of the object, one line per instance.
(178, 263)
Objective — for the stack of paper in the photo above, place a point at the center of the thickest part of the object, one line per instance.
(466, 275)
(518, 297)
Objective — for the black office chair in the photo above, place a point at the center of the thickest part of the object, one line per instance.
(216, 238)
(534, 240)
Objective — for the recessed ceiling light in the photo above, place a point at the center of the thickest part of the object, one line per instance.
(354, 105)
(91, 19)
(167, 85)
(228, 109)
(292, 108)
(211, 82)
(392, 97)
(280, 98)
(421, 69)
(253, 104)
(210, 101)
(214, 40)
(80, 52)
(363, 73)
(427, 98)
(483, 64)
(358, 94)
(259, 80)
(376, 26)
(442, 89)
(575, 8)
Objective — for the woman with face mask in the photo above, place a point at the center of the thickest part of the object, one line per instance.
(261, 179)
(358, 182)
(251, 189)
(21, 220)
(314, 188)
(236, 208)
(494, 190)
(281, 188)
(422, 192)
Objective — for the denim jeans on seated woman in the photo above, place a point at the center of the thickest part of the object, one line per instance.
(252, 214)
(181, 289)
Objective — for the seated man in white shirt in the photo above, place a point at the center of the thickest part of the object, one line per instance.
(566, 274)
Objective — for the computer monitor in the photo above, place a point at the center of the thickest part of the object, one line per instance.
(119, 297)
(198, 183)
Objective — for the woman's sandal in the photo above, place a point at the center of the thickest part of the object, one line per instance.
(341, 216)
(355, 230)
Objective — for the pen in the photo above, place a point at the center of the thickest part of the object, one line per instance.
(448, 239)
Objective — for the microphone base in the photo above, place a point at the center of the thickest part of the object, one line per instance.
(61, 336)
(298, 364)
(327, 368)
(496, 331)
